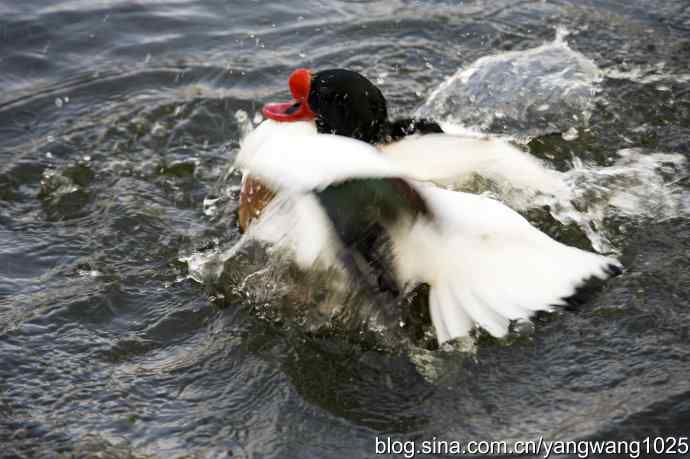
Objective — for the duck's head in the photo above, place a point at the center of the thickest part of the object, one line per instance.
(339, 101)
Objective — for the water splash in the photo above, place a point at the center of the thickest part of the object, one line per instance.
(532, 92)
(638, 185)
(645, 74)
(244, 122)
(204, 267)
(551, 88)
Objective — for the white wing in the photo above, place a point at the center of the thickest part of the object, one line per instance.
(299, 160)
(296, 224)
(451, 160)
(487, 265)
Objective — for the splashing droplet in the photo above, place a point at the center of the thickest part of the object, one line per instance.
(571, 134)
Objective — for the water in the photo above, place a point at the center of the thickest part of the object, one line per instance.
(118, 121)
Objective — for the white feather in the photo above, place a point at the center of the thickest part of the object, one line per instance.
(495, 264)
(297, 224)
(299, 160)
(270, 129)
(452, 160)
(485, 264)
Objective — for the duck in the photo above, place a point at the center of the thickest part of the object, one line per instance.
(344, 102)
(328, 178)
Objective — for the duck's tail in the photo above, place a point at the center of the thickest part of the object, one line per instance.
(486, 265)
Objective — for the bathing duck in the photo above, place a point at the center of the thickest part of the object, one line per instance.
(330, 179)
(345, 103)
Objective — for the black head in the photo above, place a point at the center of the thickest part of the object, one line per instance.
(345, 103)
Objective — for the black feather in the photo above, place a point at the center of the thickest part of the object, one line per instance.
(347, 104)
(401, 128)
(361, 211)
(589, 287)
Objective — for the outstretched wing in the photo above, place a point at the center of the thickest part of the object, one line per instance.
(298, 160)
(452, 160)
(486, 265)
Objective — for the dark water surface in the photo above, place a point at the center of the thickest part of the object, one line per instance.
(119, 118)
